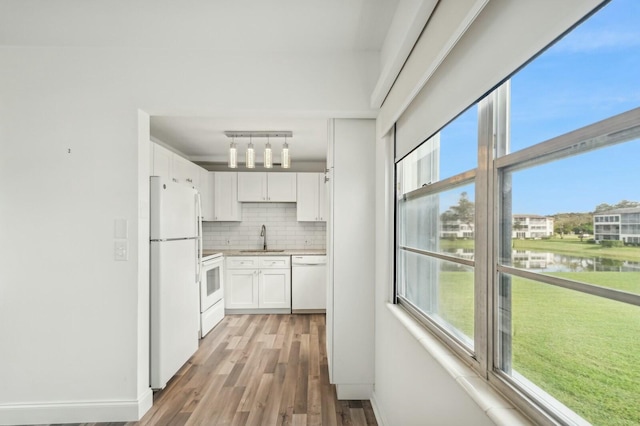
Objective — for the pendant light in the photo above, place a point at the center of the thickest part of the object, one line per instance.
(268, 163)
(251, 156)
(286, 161)
(233, 155)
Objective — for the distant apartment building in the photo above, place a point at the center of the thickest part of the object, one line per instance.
(531, 226)
(619, 224)
(456, 229)
(523, 226)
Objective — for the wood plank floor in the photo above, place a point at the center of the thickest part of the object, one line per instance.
(257, 370)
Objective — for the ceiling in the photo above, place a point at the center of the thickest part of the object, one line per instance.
(202, 138)
(225, 25)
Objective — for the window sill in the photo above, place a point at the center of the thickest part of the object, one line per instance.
(495, 406)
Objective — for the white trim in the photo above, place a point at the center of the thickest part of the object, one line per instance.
(76, 412)
(276, 311)
(466, 22)
(392, 67)
(348, 391)
(499, 409)
(380, 418)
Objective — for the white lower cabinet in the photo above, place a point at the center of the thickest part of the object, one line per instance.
(241, 290)
(275, 288)
(258, 283)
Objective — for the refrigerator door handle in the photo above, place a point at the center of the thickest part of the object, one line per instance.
(199, 239)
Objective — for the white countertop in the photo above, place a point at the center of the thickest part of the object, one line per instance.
(256, 252)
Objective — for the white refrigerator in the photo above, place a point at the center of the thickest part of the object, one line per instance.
(174, 278)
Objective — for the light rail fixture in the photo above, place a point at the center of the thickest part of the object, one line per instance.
(250, 162)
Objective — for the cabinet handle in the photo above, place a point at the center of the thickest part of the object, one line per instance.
(189, 180)
(175, 180)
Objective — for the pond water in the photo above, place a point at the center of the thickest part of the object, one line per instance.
(553, 262)
(539, 261)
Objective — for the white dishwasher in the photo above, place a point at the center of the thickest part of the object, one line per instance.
(308, 284)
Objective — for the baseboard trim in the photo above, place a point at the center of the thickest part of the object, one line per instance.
(76, 412)
(345, 391)
(380, 419)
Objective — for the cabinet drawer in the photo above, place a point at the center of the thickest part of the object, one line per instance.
(247, 262)
(267, 262)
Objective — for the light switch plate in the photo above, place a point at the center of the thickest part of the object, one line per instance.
(121, 251)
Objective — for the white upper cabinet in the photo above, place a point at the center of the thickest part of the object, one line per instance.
(162, 161)
(185, 172)
(311, 197)
(281, 187)
(261, 187)
(170, 165)
(207, 195)
(225, 189)
(252, 186)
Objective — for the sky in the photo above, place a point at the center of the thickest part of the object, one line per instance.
(591, 74)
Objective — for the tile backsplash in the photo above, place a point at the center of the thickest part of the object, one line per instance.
(283, 229)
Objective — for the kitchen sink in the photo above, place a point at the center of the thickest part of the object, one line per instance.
(261, 251)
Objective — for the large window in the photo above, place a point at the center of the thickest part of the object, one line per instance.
(543, 245)
(436, 229)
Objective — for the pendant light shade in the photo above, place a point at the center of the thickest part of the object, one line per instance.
(251, 156)
(286, 161)
(233, 155)
(268, 162)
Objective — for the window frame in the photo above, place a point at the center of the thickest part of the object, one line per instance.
(494, 163)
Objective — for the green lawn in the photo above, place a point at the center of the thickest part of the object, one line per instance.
(581, 349)
(571, 245)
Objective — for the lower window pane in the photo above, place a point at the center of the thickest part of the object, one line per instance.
(580, 349)
(441, 289)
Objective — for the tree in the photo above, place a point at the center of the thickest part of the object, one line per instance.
(562, 228)
(603, 207)
(464, 211)
(626, 203)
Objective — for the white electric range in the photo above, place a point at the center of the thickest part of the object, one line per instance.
(211, 291)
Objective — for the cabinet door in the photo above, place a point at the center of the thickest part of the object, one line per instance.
(207, 192)
(162, 160)
(307, 199)
(281, 187)
(241, 289)
(193, 175)
(275, 288)
(226, 206)
(323, 204)
(252, 186)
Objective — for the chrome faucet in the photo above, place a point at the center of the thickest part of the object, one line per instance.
(263, 233)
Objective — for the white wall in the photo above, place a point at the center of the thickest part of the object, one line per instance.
(72, 332)
(283, 229)
(411, 387)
